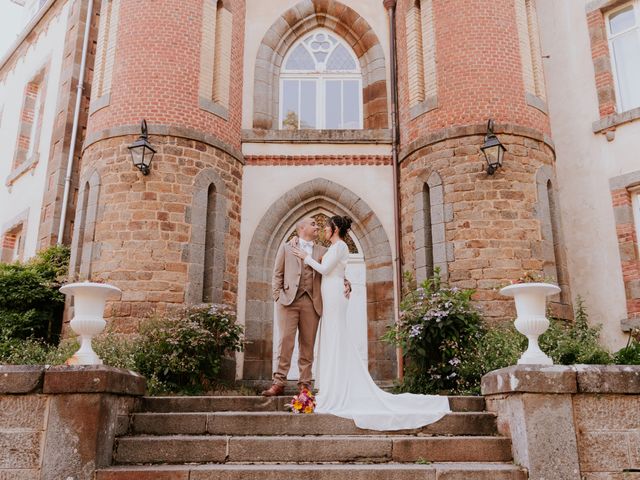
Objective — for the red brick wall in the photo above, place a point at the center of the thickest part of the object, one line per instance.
(295, 160)
(602, 63)
(156, 71)
(629, 249)
(479, 70)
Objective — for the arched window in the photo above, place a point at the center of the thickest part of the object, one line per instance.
(211, 287)
(428, 227)
(320, 85)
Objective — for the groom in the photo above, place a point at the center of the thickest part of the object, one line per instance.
(296, 291)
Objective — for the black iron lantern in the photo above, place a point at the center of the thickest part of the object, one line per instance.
(492, 149)
(141, 151)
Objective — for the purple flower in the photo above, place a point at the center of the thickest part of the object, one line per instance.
(416, 330)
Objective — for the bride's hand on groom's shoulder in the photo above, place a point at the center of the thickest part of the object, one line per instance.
(298, 252)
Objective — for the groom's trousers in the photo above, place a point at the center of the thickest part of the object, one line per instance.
(300, 316)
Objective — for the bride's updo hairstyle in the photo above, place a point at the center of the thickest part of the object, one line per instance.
(342, 224)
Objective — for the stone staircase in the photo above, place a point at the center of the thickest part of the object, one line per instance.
(233, 438)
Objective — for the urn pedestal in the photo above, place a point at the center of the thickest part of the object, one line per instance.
(89, 300)
(531, 321)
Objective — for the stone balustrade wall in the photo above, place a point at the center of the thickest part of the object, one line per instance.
(569, 422)
(60, 422)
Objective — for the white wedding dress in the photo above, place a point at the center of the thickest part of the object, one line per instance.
(345, 387)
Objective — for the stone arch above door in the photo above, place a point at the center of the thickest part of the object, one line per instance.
(296, 22)
(277, 221)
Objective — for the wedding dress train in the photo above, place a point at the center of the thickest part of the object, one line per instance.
(345, 387)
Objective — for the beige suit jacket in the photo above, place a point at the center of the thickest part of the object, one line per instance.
(286, 276)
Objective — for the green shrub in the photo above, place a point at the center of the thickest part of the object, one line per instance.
(447, 349)
(31, 305)
(494, 348)
(179, 354)
(630, 354)
(185, 352)
(567, 343)
(570, 343)
(436, 325)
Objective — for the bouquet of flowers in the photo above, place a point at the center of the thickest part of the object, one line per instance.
(304, 402)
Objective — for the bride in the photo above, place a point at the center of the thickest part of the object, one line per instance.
(345, 387)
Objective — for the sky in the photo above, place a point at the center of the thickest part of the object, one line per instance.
(10, 24)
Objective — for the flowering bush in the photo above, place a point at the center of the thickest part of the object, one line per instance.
(436, 323)
(304, 402)
(185, 352)
(181, 353)
(447, 349)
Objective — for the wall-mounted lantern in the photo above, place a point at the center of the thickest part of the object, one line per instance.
(492, 149)
(141, 151)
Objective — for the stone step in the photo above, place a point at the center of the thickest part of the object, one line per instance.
(262, 404)
(433, 471)
(292, 449)
(284, 423)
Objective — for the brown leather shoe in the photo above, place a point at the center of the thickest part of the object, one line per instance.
(274, 391)
(302, 386)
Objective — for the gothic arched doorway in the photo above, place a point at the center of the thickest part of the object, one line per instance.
(318, 196)
(357, 311)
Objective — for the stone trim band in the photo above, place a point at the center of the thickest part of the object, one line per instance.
(165, 130)
(470, 130)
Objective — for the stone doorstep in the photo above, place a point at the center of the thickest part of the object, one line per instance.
(375, 449)
(283, 423)
(263, 404)
(433, 471)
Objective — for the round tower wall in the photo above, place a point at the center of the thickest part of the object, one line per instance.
(172, 237)
(151, 232)
(473, 51)
(459, 65)
(157, 65)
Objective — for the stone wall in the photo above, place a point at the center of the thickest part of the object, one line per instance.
(150, 231)
(61, 422)
(485, 230)
(569, 422)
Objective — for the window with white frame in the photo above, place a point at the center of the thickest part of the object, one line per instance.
(623, 30)
(320, 85)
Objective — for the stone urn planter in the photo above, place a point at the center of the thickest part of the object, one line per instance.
(531, 321)
(88, 319)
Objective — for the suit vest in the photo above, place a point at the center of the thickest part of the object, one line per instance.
(306, 281)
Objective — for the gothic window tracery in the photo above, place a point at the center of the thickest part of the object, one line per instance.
(320, 85)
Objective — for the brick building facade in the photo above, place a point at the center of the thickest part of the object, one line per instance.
(264, 112)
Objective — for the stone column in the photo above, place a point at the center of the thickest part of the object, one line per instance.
(61, 422)
(576, 422)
